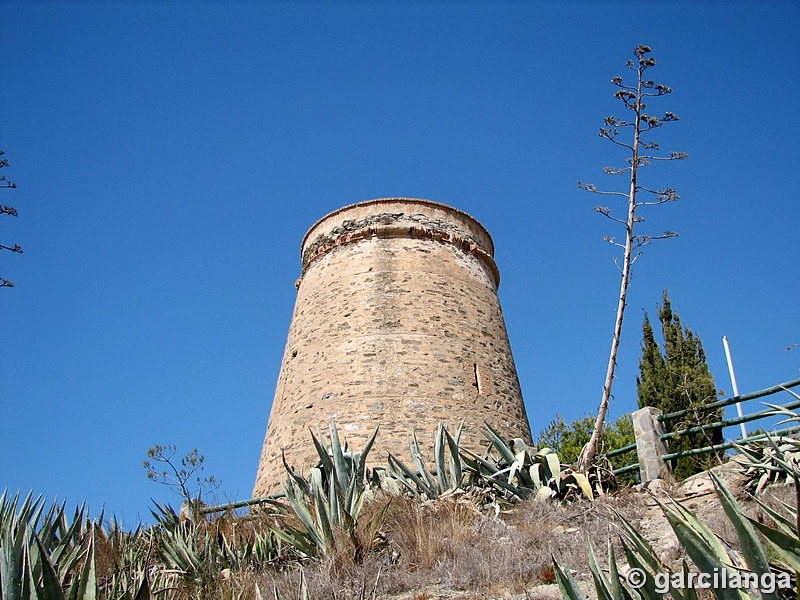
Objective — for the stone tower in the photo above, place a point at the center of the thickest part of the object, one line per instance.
(397, 324)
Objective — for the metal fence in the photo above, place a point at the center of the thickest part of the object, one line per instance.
(697, 414)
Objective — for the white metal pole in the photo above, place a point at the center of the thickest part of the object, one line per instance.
(733, 382)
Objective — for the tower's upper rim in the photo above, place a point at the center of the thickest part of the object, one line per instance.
(481, 230)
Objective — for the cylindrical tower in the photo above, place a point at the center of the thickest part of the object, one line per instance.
(397, 324)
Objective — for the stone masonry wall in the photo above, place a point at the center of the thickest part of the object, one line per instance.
(397, 324)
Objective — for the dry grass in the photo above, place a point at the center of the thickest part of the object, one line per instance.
(449, 549)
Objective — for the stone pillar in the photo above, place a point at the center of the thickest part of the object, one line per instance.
(649, 445)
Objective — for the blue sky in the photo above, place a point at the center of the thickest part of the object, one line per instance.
(171, 156)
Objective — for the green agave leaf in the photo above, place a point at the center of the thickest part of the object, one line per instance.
(601, 583)
(28, 582)
(689, 593)
(519, 445)
(361, 464)
(295, 477)
(480, 461)
(456, 470)
(300, 540)
(51, 585)
(640, 546)
(342, 474)
(419, 462)
(48, 529)
(458, 432)
(10, 568)
(439, 445)
(700, 543)
(638, 561)
(322, 451)
(752, 550)
(301, 510)
(499, 481)
(618, 591)
(401, 472)
(497, 442)
(325, 519)
(787, 546)
(85, 586)
(570, 590)
(522, 459)
(515, 467)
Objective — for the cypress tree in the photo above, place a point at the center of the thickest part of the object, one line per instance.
(679, 379)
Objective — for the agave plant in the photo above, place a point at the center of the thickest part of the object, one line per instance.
(523, 472)
(519, 472)
(195, 554)
(329, 502)
(774, 459)
(448, 474)
(774, 578)
(45, 555)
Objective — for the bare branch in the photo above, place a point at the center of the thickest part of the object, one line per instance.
(8, 210)
(662, 196)
(616, 262)
(589, 187)
(625, 95)
(613, 241)
(604, 210)
(5, 283)
(615, 171)
(179, 476)
(612, 122)
(667, 195)
(610, 135)
(15, 248)
(665, 157)
(618, 82)
(646, 240)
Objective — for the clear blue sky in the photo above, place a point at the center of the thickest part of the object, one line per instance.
(171, 156)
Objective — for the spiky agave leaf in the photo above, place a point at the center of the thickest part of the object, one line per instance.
(701, 544)
(419, 462)
(402, 473)
(786, 546)
(602, 585)
(751, 547)
(570, 590)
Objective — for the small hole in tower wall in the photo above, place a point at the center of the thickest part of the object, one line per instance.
(477, 383)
